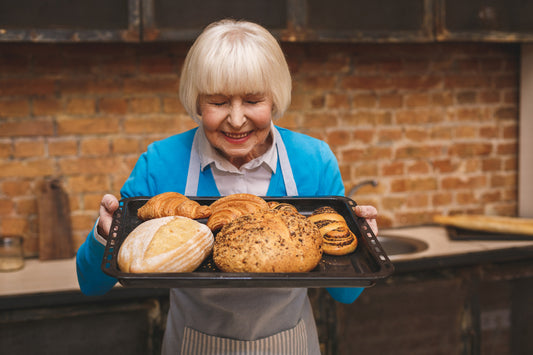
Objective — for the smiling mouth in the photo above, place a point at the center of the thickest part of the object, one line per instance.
(237, 135)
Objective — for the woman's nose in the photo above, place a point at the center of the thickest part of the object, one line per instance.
(236, 117)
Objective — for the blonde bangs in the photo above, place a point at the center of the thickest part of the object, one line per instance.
(232, 72)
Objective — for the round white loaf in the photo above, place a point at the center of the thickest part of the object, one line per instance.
(167, 244)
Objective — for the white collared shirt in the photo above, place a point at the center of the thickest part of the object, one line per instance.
(253, 177)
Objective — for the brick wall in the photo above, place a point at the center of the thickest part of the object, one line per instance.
(435, 124)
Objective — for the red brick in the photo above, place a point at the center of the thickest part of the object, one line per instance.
(365, 100)
(96, 125)
(80, 106)
(417, 100)
(14, 108)
(337, 101)
(6, 149)
(367, 83)
(421, 116)
(151, 125)
(172, 105)
(413, 152)
(26, 128)
(46, 106)
(27, 86)
(88, 183)
(28, 148)
(414, 184)
(471, 149)
(145, 105)
(95, 146)
(89, 165)
(390, 101)
(113, 105)
(6, 206)
(470, 182)
(27, 168)
(152, 85)
(393, 168)
(62, 147)
(16, 188)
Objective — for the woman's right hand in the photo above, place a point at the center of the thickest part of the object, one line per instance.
(108, 206)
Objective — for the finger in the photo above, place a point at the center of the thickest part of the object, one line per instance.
(373, 225)
(109, 203)
(366, 212)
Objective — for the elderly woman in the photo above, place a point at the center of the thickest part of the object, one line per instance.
(235, 82)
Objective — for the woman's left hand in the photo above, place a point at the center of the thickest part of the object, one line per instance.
(370, 213)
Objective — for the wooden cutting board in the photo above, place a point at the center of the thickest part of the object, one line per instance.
(55, 232)
(493, 224)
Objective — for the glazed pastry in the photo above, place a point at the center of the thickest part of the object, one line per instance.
(268, 241)
(226, 209)
(167, 244)
(172, 204)
(281, 206)
(338, 238)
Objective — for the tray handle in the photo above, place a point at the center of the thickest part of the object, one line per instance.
(111, 248)
(366, 232)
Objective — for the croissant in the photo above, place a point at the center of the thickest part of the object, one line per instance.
(172, 204)
(338, 238)
(228, 208)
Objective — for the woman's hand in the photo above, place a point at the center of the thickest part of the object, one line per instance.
(108, 206)
(370, 213)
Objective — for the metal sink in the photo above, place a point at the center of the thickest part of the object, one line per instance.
(395, 245)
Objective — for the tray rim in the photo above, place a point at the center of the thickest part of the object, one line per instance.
(314, 279)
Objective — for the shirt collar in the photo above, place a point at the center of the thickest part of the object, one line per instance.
(208, 155)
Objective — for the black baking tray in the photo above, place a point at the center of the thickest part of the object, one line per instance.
(362, 268)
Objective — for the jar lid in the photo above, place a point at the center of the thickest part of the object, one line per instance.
(10, 239)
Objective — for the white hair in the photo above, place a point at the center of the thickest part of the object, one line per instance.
(232, 58)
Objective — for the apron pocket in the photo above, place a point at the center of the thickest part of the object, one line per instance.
(292, 341)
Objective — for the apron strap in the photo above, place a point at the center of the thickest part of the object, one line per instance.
(193, 175)
(286, 170)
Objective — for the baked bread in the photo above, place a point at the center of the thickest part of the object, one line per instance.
(268, 241)
(491, 224)
(282, 206)
(172, 204)
(226, 209)
(338, 238)
(167, 244)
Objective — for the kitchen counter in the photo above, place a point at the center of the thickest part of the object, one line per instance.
(442, 251)
(41, 277)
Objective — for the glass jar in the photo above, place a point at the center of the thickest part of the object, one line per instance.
(11, 253)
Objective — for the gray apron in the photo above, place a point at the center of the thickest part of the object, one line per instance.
(266, 321)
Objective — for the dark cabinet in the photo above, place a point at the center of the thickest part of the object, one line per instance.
(165, 20)
(70, 20)
(484, 20)
(371, 21)
(289, 20)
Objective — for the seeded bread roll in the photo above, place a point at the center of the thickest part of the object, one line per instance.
(338, 238)
(226, 209)
(268, 241)
(167, 244)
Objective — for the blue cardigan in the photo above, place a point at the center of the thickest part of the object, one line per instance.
(163, 167)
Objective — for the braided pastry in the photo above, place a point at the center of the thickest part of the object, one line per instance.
(282, 206)
(226, 209)
(338, 238)
(172, 204)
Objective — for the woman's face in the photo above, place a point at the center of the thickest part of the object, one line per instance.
(238, 126)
